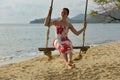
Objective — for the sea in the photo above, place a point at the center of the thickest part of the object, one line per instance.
(19, 42)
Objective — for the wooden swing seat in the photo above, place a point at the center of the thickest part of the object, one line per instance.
(85, 48)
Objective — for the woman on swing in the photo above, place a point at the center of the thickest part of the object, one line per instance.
(61, 42)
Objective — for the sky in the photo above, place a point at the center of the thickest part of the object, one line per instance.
(23, 11)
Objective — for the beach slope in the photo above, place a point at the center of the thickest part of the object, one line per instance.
(99, 63)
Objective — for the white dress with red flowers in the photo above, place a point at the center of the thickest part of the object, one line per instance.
(61, 42)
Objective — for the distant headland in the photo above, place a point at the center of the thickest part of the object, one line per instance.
(80, 18)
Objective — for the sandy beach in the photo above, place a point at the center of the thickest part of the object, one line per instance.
(98, 63)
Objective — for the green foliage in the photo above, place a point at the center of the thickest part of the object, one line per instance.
(99, 2)
(108, 4)
(108, 7)
(104, 2)
(93, 13)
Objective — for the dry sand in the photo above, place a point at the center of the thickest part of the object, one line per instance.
(99, 63)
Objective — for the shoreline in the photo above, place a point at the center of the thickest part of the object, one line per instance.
(98, 63)
(16, 60)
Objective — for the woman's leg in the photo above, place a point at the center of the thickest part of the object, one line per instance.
(65, 58)
(70, 62)
(69, 56)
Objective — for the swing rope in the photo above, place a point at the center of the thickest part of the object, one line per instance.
(85, 22)
(48, 31)
(83, 49)
(47, 52)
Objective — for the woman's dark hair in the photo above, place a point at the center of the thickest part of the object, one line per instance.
(66, 10)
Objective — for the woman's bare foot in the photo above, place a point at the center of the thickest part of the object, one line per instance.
(71, 65)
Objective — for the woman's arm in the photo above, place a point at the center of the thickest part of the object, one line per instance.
(47, 21)
(77, 32)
